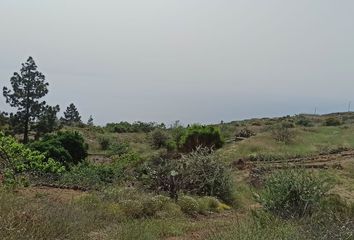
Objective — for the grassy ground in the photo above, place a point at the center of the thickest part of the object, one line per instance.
(50, 213)
(306, 142)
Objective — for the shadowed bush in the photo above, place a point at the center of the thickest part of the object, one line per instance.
(65, 147)
(201, 136)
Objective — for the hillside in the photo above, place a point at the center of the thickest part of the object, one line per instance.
(90, 202)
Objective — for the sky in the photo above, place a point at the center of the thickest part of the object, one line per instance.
(198, 61)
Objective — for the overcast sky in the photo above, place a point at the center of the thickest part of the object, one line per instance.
(192, 60)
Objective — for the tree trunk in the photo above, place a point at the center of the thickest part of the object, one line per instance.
(26, 127)
(25, 132)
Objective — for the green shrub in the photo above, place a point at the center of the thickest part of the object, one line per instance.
(17, 159)
(65, 147)
(118, 149)
(332, 121)
(293, 192)
(159, 138)
(283, 133)
(188, 205)
(201, 136)
(132, 208)
(197, 173)
(104, 142)
(245, 133)
(137, 204)
(334, 220)
(303, 121)
(125, 127)
(211, 204)
(208, 204)
(151, 206)
(171, 146)
(94, 176)
(88, 176)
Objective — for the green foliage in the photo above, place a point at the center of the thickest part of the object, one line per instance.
(201, 136)
(198, 173)
(245, 133)
(28, 87)
(88, 176)
(95, 176)
(283, 133)
(188, 205)
(90, 121)
(209, 204)
(257, 226)
(15, 159)
(171, 145)
(118, 149)
(125, 127)
(159, 138)
(332, 121)
(4, 119)
(104, 142)
(177, 131)
(132, 203)
(293, 192)
(71, 115)
(47, 120)
(304, 121)
(65, 147)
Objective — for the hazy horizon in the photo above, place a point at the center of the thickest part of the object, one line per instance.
(195, 61)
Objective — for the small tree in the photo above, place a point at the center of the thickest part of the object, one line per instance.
(90, 121)
(47, 121)
(177, 131)
(71, 115)
(28, 87)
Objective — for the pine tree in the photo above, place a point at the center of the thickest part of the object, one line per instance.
(28, 87)
(71, 115)
(47, 121)
(90, 121)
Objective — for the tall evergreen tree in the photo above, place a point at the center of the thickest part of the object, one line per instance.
(71, 115)
(28, 87)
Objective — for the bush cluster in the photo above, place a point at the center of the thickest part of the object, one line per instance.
(282, 133)
(159, 138)
(125, 127)
(332, 121)
(197, 173)
(104, 142)
(200, 136)
(304, 121)
(15, 159)
(245, 133)
(293, 192)
(65, 147)
(94, 176)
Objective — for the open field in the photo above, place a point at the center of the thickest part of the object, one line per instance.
(125, 211)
